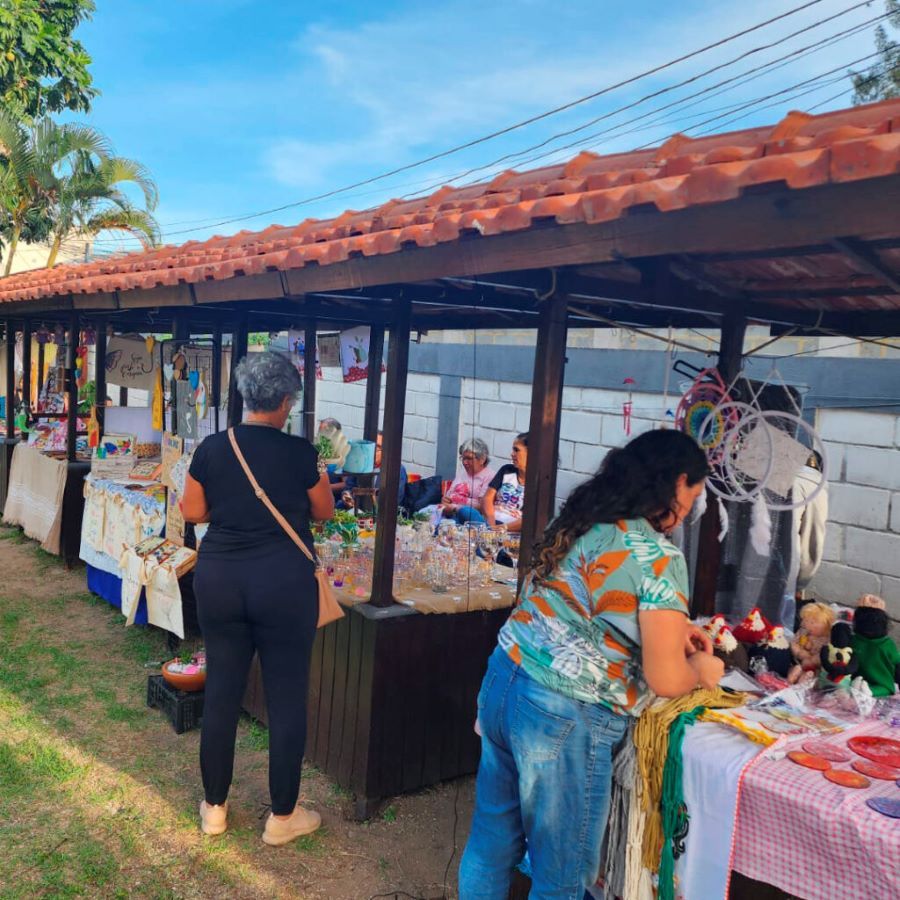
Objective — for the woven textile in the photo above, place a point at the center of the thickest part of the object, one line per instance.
(35, 495)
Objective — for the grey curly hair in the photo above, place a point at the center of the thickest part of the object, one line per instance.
(477, 446)
(265, 379)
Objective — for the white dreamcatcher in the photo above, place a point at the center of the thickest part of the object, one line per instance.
(756, 455)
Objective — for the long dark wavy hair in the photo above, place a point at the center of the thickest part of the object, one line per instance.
(637, 480)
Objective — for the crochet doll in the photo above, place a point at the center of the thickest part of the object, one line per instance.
(816, 620)
(875, 652)
(754, 629)
(839, 663)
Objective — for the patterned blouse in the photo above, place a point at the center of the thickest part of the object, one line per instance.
(578, 632)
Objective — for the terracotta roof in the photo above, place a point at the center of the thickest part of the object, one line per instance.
(801, 151)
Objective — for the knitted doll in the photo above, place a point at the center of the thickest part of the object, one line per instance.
(776, 651)
(876, 653)
(839, 663)
(754, 629)
(816, 620)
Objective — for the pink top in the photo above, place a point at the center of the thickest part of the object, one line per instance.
(470, 491)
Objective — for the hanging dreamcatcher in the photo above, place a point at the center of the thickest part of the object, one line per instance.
(755, 455)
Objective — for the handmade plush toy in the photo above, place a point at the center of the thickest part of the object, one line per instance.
(754, 629)
(816, 620)
(839, 665)
(876, 654)
(776, 651)
(727, 648)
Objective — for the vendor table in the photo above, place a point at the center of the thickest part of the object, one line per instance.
(44, 497)
(814, 839)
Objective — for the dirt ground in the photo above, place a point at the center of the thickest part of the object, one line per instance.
(98, 795)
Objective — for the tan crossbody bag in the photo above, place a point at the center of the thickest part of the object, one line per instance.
(329, 608)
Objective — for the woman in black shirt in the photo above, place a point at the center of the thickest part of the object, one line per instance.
(256, 591)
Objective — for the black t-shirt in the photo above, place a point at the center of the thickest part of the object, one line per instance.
(286, 468)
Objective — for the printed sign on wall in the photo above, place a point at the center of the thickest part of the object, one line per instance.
(355, 353)
(129, 363)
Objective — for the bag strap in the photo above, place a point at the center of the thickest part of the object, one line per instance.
(279, 518)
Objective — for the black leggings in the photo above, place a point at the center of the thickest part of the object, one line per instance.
(267, 603)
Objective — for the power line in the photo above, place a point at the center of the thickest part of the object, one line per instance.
(819, 45)
(514, 127)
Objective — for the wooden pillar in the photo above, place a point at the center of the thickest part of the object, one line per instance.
(41, 360)
(217, 373)
(309, 381)
(100, 374)
(72, 386)
(10, 380)
(26, 365)
(543, 433)
(392, 452)
(238, 352)
(373, 382)
(709, 550)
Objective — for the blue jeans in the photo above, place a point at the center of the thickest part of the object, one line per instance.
(469, 514)
(543, 785)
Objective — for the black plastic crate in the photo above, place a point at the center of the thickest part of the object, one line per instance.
(184, 709)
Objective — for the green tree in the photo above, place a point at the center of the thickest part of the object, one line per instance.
(43, 69)
(89, 199)
(59, 179)
(882, 80)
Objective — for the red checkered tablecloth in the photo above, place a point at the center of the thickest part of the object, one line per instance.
(815, 839)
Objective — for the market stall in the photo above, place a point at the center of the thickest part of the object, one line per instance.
(696, 233)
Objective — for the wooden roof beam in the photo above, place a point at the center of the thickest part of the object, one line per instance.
(858, 253)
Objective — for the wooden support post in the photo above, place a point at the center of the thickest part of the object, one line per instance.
(309, 381)
(392, 451)
(26, 366)
(543, 433)
(238, 352)
(373, 383)
(100, 373)
(72, 385)
(10, 380)
(42, 353)
(217, 373)
(123, 396)
(709, 550)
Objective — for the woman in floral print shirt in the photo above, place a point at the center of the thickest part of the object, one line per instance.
(600, 627)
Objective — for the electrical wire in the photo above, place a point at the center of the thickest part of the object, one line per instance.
(517, 125)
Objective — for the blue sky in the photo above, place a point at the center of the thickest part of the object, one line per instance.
(240, 106)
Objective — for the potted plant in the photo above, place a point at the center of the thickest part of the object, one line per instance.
(186, 672)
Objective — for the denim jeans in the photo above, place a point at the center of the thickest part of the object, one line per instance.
(469, 514)
(543, 786)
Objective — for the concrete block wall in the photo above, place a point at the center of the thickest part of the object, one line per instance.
(862, 549)
(346, 403)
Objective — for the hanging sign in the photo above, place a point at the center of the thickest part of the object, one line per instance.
(129, 363)
(297, 349)
(355, 353)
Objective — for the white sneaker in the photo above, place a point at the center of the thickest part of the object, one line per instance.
(282, 831)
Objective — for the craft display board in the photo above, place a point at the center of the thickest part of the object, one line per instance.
(355, 353)
(172, 449)
(129, 363)
(297, 350)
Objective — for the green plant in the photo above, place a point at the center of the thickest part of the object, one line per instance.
(43, 69)
(324, 447)
(389, 815)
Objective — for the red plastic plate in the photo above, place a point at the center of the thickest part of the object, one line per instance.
(808, 760)
(875, 770)
(846, 778)
(879, 749)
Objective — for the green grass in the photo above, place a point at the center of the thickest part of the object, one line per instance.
(256, 736)
(389, 815)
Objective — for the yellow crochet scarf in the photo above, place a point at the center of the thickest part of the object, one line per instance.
(651, 741)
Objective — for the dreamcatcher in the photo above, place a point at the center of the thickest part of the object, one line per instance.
(755, 455)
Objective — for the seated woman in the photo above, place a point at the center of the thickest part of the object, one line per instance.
(505, 496)
(466, 494)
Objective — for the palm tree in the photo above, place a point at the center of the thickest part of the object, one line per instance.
(29, 163)
(59, 179)
(89, 200)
